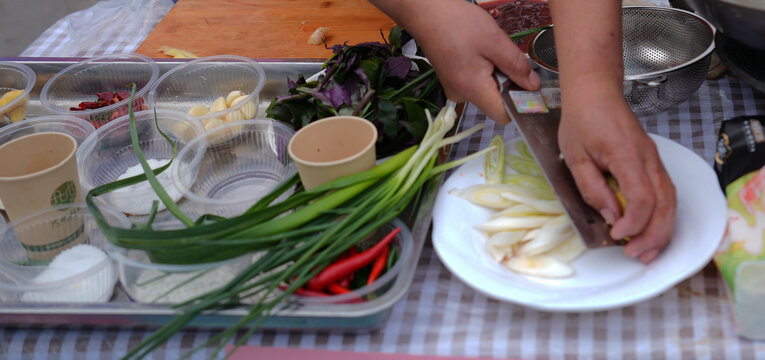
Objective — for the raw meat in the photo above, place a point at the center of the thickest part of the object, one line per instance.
(518, 15)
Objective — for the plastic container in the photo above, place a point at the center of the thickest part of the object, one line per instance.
(405, 244)
(109, 73)
(23, 279)
(202, 81)
(77, 128)
(108, 155)
(249, 160)
(13, 76)
(147, 282)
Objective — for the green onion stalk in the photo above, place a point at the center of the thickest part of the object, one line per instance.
(296, 238)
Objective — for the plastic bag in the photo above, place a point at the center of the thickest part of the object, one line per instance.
(741, 259)
(111, 26)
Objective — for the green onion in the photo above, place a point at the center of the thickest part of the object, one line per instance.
(495, 161)
(298, 237)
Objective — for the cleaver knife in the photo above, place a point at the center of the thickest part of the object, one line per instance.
(536, 114)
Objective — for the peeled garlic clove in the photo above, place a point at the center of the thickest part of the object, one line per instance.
(233, 116)
(249, 110)
(212, 123)
(198, 110)
(540, 265)
(218, 105)
(232, 96)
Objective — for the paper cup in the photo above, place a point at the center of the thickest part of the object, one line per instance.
(333, 147)
(39, 171)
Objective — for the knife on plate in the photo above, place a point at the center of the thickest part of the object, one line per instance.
(536, 114)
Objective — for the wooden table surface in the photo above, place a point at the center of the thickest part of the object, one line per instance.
(263, 29)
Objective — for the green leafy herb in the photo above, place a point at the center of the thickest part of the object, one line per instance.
(372, 80)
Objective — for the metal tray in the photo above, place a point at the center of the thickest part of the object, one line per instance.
(120, 311)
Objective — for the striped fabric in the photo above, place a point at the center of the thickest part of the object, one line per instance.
(440, 315)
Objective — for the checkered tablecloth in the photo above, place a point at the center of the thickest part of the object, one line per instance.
(440, 315)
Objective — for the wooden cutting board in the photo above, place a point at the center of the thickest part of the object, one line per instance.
(264, 29)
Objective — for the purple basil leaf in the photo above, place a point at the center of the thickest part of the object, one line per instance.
(398, 66)
(363, 76)
(337, 96)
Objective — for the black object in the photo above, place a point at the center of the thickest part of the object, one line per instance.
(743, 62)
(740, 148)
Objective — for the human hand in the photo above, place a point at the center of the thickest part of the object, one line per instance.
(600, 134)
(465, 49)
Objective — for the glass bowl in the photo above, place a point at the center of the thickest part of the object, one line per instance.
(405, 245)
(27, 273)
(148, 282)
(16, 82)
(77, 128)
(82, 81)
(199, 86)
(108, 155)
(249, 160)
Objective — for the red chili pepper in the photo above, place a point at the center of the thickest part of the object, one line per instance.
(337, 289)
(345, 282)
(345, 267)
(378, 266)
(305, 292)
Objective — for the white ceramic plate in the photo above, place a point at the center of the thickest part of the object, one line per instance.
(605, 278)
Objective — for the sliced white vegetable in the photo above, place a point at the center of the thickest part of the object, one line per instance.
(518, 210)
(545, 206)
(488, 195)
(535, 184)
(568, 250)
(523, 165)
(540, 265)
(551, 234)
(512, 224)
(523, 150)
(531, 234)
(495, 161)
(500, 245)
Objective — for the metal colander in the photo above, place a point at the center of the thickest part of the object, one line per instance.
(666, 55)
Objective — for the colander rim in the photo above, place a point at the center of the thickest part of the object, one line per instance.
(648, 75)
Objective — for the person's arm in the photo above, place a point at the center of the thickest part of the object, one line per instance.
(464, 44)
(599, 132)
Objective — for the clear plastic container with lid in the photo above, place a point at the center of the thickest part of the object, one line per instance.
(83, 81)
(16, 82)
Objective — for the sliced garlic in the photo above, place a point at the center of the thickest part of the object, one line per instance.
(540, 265)
(218, 105)
(232, 96)
(198, 110)
(249, 110)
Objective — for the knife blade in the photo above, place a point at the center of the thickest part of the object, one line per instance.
(536, 115)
